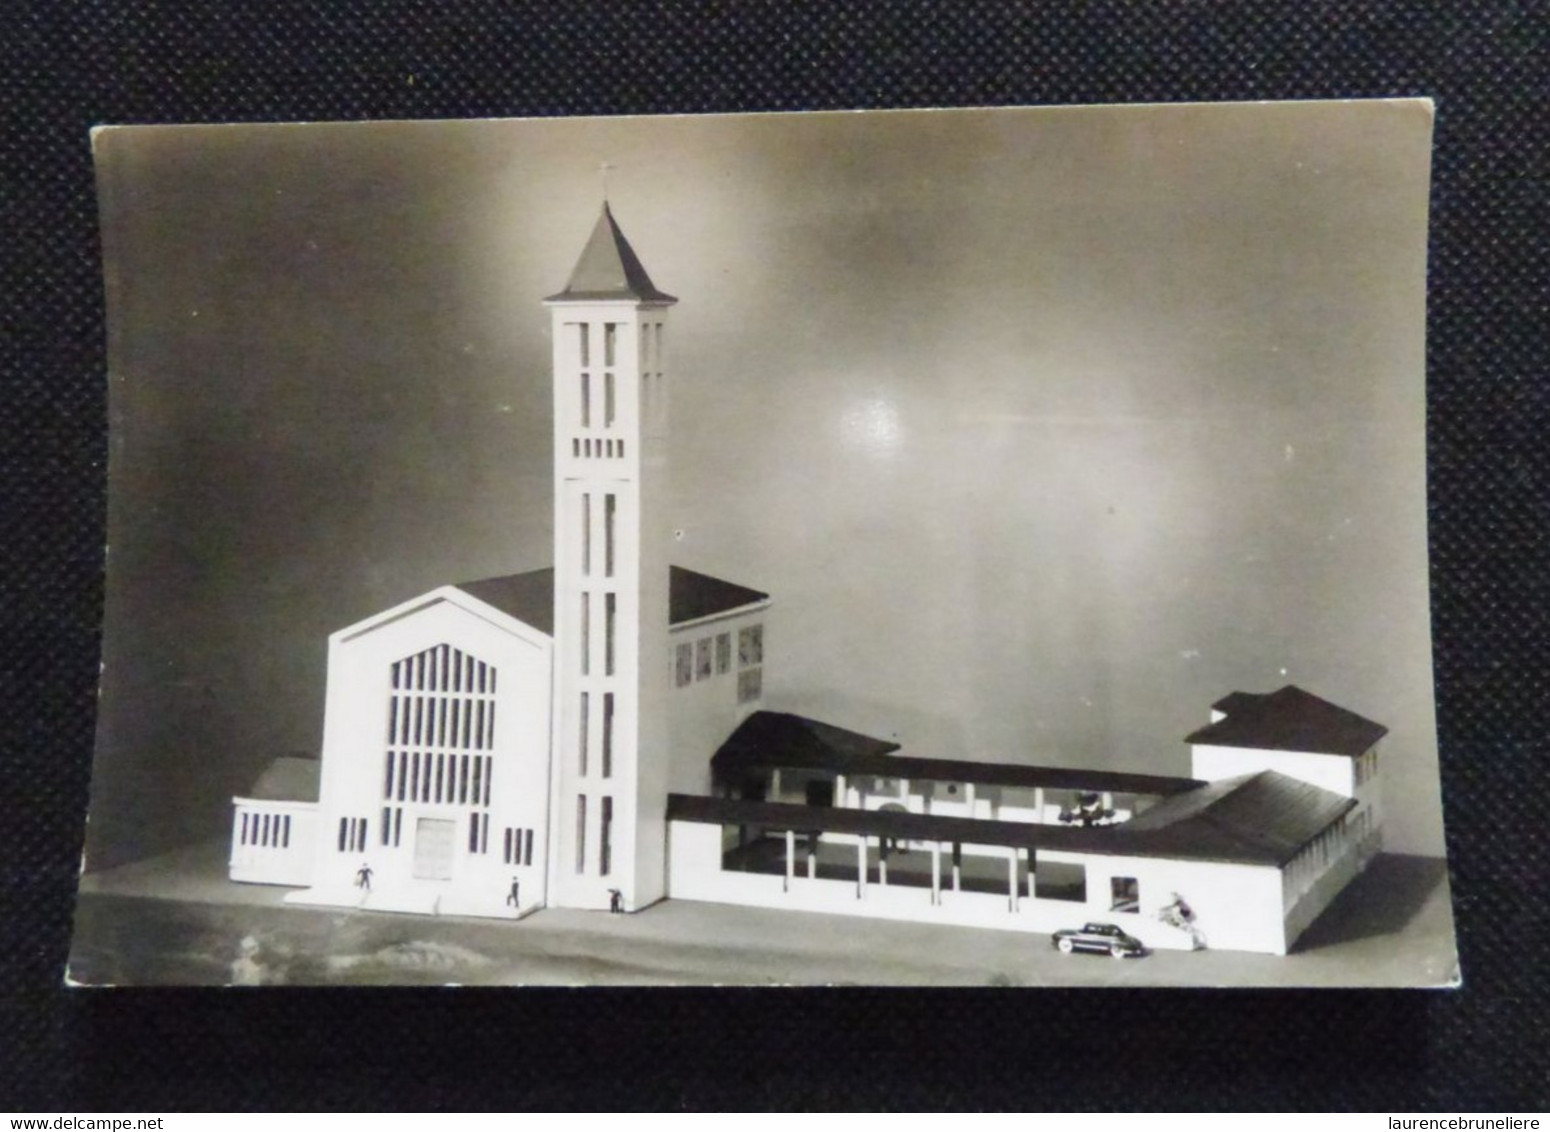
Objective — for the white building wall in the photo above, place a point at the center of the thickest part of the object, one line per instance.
(707, 709)
(1334, 773)
(280, 851)
(1236, 907)
(354, 770)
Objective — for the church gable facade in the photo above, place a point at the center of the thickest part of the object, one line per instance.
(595, 736)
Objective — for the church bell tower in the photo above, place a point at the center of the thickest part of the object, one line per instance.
(611, 678)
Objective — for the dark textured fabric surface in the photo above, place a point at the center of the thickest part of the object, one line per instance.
(70, 65)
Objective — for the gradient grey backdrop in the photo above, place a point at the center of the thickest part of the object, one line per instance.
(1045, 428)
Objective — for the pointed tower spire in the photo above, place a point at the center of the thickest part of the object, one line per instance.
(609, 269)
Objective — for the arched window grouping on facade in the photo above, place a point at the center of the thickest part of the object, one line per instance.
(440, 734)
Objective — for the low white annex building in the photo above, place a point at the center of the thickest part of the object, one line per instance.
(594, 736)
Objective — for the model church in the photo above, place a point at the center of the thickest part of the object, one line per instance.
(595, 736)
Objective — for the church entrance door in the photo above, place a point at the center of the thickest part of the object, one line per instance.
(433, 846)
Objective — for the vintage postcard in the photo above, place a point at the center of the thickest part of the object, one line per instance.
(941, 547)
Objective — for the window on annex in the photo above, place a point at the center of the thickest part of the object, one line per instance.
(1060, 880)
(750, 646)
(702, 661)
(1125, 894)
(518, 847)
(750, 685)
(683, 665)
(723, 653)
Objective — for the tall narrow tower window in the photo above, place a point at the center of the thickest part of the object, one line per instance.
(581, 743)
(608, 534)
(581, 833)
(605, 837)
(610, 611)
(585, 346)
(586, 401)
(586, 533)
(586, 633)
(610, 342)
(608, 734)
(608, 400)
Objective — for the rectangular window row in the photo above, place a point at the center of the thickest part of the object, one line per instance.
(269, 831)
(698, 660)
(591, 448)
(392, 826)
(441, 721)
(442, 668)
(1319, 854)
(519, 847)
(443, 779)
(750, 685)
(479, 833)
(352, 835)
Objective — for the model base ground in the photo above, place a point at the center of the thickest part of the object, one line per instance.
(177, 920)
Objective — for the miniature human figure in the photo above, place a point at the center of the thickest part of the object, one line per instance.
(512, 899)
(247, 970)
(363, 877)
(615, 900)
(1180, 915)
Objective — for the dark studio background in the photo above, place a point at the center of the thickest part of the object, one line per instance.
(69, 67)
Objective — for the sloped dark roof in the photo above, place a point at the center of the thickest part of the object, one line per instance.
(609, 269)
(769, 739)
(693, 595)
(773, 738)
(529, 597)
(290, 778)
(1268, 815)
(1289, 720)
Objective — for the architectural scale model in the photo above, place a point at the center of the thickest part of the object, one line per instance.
(595, 736)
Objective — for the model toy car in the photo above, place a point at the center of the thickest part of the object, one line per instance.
(1098, 937)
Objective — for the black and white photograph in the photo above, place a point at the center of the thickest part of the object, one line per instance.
(931, 547)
